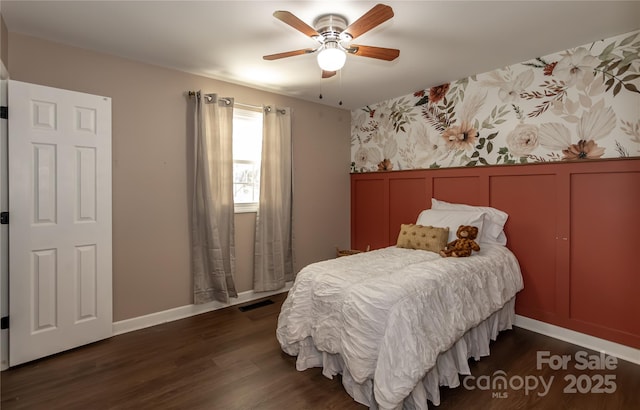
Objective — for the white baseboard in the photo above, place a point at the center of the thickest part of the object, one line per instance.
(141, 322)
(623, 352)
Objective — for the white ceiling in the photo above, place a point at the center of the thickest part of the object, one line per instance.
(439, 41)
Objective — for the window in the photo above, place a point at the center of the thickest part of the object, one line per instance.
(247, 149)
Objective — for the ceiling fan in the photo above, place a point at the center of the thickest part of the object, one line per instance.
(334, 38)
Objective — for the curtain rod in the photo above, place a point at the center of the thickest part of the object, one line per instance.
(209, 98)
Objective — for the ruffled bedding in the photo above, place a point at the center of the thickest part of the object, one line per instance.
(396, 322)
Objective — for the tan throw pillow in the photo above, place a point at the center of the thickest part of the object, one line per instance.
(428, 238)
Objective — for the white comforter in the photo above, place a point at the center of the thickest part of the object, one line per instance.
(389, 313)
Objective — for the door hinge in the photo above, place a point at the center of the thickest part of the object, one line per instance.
(4, 218)
(4, 322)
(4, 112)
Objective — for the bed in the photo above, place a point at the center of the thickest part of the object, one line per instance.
(398, 322)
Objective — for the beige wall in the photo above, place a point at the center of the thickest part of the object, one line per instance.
(150, 194)
(4, 42)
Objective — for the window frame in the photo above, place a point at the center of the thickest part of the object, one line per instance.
(258, 115)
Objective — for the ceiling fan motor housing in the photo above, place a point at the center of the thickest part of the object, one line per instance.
(331, 26)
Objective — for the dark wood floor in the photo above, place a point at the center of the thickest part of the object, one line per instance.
(230, 359)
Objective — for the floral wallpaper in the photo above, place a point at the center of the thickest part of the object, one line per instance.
(579, 104)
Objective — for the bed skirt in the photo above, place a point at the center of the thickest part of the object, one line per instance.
(449, 364)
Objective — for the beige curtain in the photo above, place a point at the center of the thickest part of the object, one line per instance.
(212, 217)
(273, 257)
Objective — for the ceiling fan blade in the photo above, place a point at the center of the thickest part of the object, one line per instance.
(289, 54)
(327, 74)
(377, 15)
(380, 53)
(288, 18)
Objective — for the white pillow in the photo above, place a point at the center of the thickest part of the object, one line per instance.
(453, 219)
(494, 221)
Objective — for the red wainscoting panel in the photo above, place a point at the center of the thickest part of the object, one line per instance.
(574, 227)
(407, 197)
(531, 234)
(605, 251)
(457, 189)
(369, 213)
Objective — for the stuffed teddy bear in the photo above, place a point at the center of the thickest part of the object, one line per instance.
(464, 244)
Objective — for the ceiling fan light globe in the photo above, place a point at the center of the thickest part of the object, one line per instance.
(331, 59)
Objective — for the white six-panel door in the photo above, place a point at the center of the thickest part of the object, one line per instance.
(60, 269)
